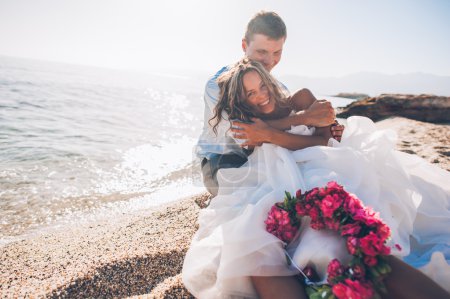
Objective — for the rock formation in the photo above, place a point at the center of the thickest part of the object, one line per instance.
(424, 107)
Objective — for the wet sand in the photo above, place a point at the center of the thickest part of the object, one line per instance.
(141, 256)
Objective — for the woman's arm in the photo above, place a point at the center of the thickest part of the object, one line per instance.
(294, 142)
(259, 132)
(309, 112)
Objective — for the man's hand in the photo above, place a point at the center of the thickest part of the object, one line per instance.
(337, 130)
(254, 134)
(319, 114)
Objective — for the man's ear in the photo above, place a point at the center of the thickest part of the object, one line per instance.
(244, 44)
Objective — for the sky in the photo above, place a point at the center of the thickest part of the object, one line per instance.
(326, 38)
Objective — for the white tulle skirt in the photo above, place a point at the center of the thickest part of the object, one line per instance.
(412, 196)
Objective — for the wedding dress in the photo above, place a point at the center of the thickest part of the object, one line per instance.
(232, 244)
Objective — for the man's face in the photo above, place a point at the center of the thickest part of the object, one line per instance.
(264, 50)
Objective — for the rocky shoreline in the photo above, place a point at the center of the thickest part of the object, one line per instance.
(424, 107)
(142, 256)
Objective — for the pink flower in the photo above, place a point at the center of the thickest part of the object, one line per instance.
(298, 194)
(301, 209)
(352, 245)
(383, 231)
(314, 214)
(322, 192)
(317, 225)
(288, 234)
(353, 289)
(371, 218)
(352, 204)
(370, 261)
(332, 224)
(351, 229)
(332, 185)
(358, 271)
(339, 198)
(335, 269)
(278, 223)
(373, 245)
(329, 205)
(311, 195)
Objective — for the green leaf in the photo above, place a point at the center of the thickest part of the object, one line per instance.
(374, 272)
(288, 195)
(310, 290)
(316, 296)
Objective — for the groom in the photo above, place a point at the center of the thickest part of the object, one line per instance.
(263, 42)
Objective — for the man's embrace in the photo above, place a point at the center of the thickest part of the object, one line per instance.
(263, 42)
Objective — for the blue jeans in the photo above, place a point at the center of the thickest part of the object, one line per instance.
(216, 162)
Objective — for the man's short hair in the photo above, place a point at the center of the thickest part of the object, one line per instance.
(267, 23)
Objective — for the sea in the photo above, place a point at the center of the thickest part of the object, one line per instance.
(82, 143)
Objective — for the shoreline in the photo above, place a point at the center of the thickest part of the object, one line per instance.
(126, 258)
(142, 255)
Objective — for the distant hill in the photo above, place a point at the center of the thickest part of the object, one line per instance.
(372, 84)
(352, 95)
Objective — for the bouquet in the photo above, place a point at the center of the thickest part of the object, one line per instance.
(365, 233)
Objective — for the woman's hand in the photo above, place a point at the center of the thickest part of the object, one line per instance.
(254, 134)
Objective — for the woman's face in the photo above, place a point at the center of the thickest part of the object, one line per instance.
(257, 94)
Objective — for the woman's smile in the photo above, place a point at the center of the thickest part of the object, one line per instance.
(264, 103)
(257, 93)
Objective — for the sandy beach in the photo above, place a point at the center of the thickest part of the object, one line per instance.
(141, 256)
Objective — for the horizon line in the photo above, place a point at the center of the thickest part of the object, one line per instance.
(158, 71)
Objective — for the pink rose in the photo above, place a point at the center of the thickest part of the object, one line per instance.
(298, 194)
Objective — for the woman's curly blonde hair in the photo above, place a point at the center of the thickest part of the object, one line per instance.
(232, 97)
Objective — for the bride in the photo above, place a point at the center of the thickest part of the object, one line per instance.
(233, 256)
